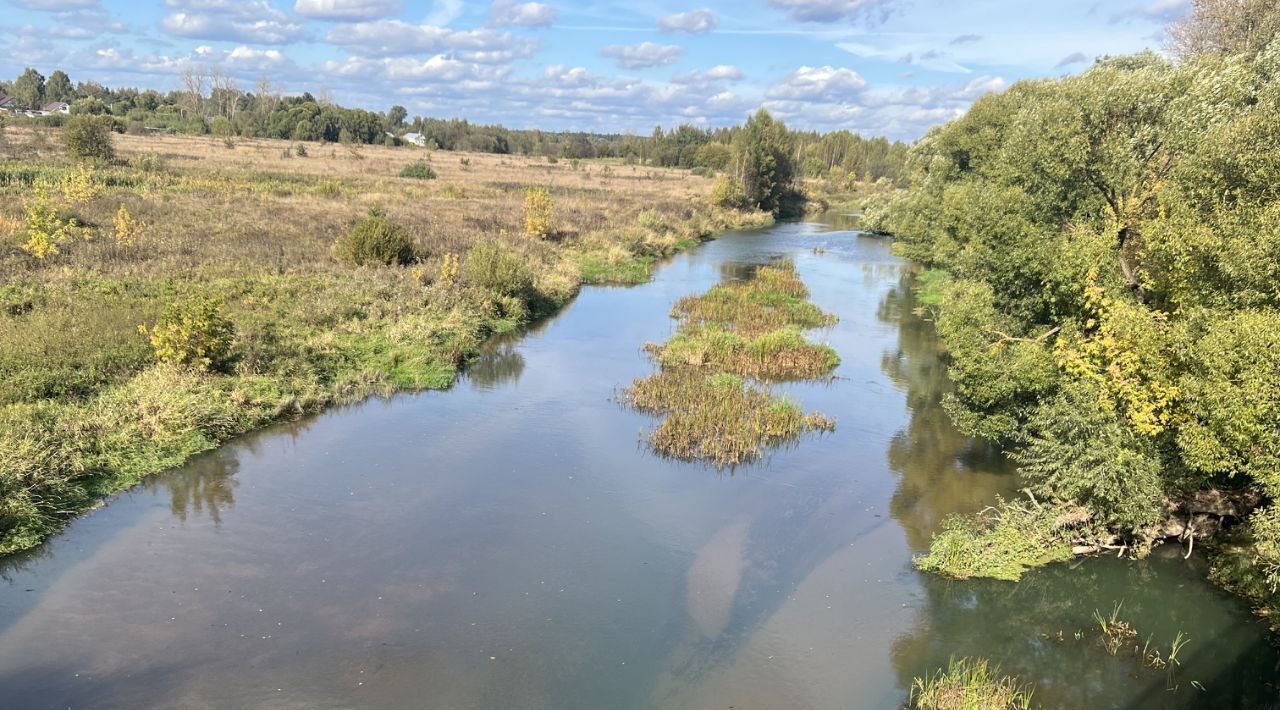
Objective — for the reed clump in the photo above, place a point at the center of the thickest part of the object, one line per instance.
(969, 684)
(710, 388)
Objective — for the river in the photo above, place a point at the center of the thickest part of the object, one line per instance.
(511, 543)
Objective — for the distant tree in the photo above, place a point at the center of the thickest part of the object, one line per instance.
(91, 106)
(762, 161)
(29, 88)
(59, 87)
(1225, 27)
(396, 116)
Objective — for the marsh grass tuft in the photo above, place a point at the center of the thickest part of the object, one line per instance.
(1001, 542)
(711, 411)
(969, 684)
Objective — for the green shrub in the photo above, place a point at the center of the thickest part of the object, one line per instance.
(652, 220)
(498, 269)
(89, 138)
(375, 240)
(194, 333)
(147, 162)
(418, 170)
(728, 193)
(300, 150)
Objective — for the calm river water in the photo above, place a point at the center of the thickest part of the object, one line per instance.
(510, 543)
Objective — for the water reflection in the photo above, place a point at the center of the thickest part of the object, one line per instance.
(500, 363)
(1030, 629)
(206, 485)
(942, 471)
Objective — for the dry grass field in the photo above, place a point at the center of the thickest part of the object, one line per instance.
(90, 401)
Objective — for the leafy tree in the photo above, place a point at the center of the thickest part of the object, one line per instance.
(29, 88)
(1225, 27)
(762, 161)
(89, 137)
(396, 116)
(59, 88)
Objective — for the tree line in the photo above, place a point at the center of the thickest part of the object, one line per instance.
(209, 101)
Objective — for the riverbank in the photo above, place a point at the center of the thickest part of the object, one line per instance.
(86, 408)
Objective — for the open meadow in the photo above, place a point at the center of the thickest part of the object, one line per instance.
(118, 276)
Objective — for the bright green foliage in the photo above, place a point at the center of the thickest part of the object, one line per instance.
(1230, 391)
(1001, 543)
(193, 333)
(1112, 241)
(969, 684)
(1077, 449)
(89, 138)
(375, 240)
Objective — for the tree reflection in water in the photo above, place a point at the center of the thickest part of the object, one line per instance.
(205, 485)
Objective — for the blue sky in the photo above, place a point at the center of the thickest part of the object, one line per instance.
(880, 67)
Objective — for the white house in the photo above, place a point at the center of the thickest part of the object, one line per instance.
(416, 138)
(56, 107)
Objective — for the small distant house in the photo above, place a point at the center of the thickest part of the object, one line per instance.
(8, 102)
(415, 138)
(56, 107)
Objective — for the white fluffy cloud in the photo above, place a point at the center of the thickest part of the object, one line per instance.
(252, 21)
(693, 22)
(818, 84)
(643, 55)
(834, 10)
(528, 14)
(346, 9)
(720, 72)
(437, 69)
(395, 37)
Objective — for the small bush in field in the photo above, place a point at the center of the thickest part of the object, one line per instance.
(89, 138)
(193, 333)
(653, 221)
(80, 185)
(538, 207)
(128, 228)
(147, 162)
(418, 170)
(493, 267)
(449, 268)
(375, 240)
(45, 230)
(300, 150)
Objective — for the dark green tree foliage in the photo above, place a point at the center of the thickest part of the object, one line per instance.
(1113, 240)
(762, 161)
(89, 138)
(29, 88)
(59, 88)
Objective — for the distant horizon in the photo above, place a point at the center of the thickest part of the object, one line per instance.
(888, 68)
